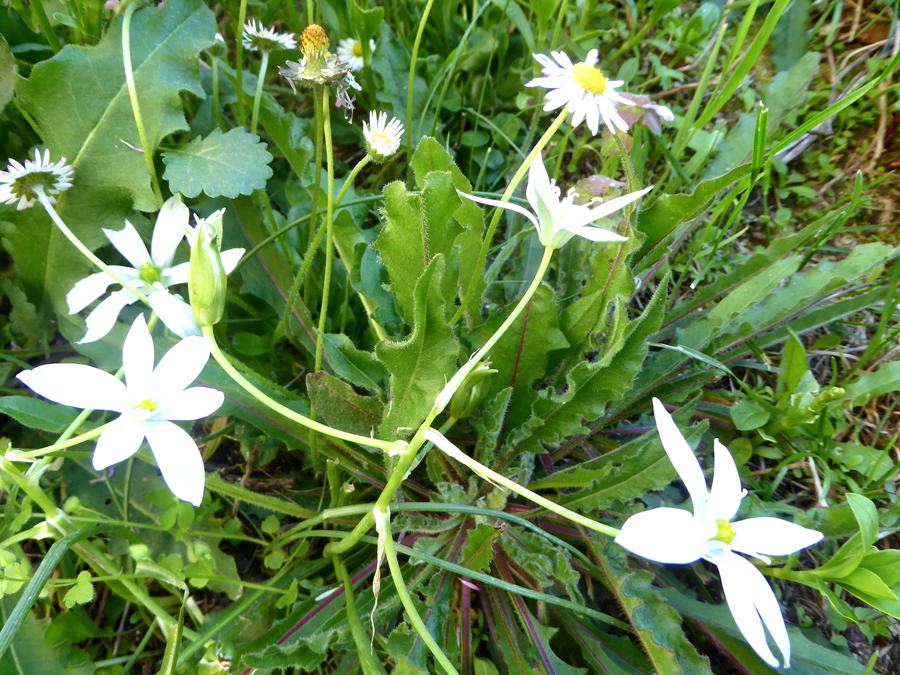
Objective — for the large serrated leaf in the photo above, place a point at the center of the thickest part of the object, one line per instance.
(80, 103)
(221, 165)
(341, 407)
(421, 364)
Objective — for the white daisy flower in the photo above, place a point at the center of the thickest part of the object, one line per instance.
(153, 273)
(382, 137)
(589, 94)
(258, 38)
(149, 401)
(558, 220)
(350, 52)
(21, 182)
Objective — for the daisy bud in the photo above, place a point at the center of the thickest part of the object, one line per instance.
(471, 392)
(218, 49)
(207, 281)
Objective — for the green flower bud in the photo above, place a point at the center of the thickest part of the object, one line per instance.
(471, 391)
(207, 280)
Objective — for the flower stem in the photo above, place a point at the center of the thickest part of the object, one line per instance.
(239, 63)
(448, 448)
(410, 86)
(215, 92)
(329, 229)
(254, 116)
(383, 523)
(363, 650)
(61, 445)
(495, 220)
(633, 185)
(87, 253)
(292, 415)
(135, 106)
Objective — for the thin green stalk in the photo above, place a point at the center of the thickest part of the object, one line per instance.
(451, 450)
(363, 646)
(383, 525)
(37, 7)
(329, 230)
(254, 116)
(135, 106)
(411, 83)
(239, 63)
(84, 250)
(217, 107)
(292, 415)
(507, 194)
(409, 453)
(60, 445)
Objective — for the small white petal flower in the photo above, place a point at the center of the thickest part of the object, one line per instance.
(152, 273)
(675, 536)
(558, 220)
(589, 94)
(19, 182)
(149, 400)
(383, 138)
(350, 51)
(258, 38)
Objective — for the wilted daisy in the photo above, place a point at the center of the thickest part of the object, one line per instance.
(318, 65)
(350, 51)
(257, 38)
(153, 272)
(382, 137)
(22, 182)
(149, 401)
(589, 94)
(558, 220)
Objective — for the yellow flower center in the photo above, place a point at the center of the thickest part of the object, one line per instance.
(589, 78)
(357, 49)
(725, 533)
(149, 273)
(381, 138)
(147, 404)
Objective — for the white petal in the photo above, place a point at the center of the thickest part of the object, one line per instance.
(78, 386)
(129, 244)
(103, 318)
(87, 290)
(596, 234)
(726, 493)
(543, 199)
(179, 460)
(665, 535)
(593, 118)
(231, 258)
(137, 356)
(771, 536)
(608, 207)
(169, 231)
(180, 366)
(175, 313)
(176, 275)
(752, 603)
(120, 441)
(681, 456)
(503, 205)
(191, 404)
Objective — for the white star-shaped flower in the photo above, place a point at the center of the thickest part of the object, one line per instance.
(153, 273)
(349, 50)
(258, 38)
(558, 220)
(589, 94)
(20, 181)
(670, 535)
(149, 401)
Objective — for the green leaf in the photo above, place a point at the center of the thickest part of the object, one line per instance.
(341, 407)
(80, 103)
(421, 364)
(37, 413)
(357, 367)
(173, 646)
(748, 415)
(478, 552)
(82, 592)
(866, 515)
(228, 165)
(8, 74)
(793, 364)
(883, 381)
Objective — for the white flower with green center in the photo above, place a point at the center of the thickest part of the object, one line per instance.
(383, 138)
(350, 51)
(589, 94)
(258, 38)
(558, 220)
(149, 401)
(670, 535)
(20, 182)
(152, 273)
